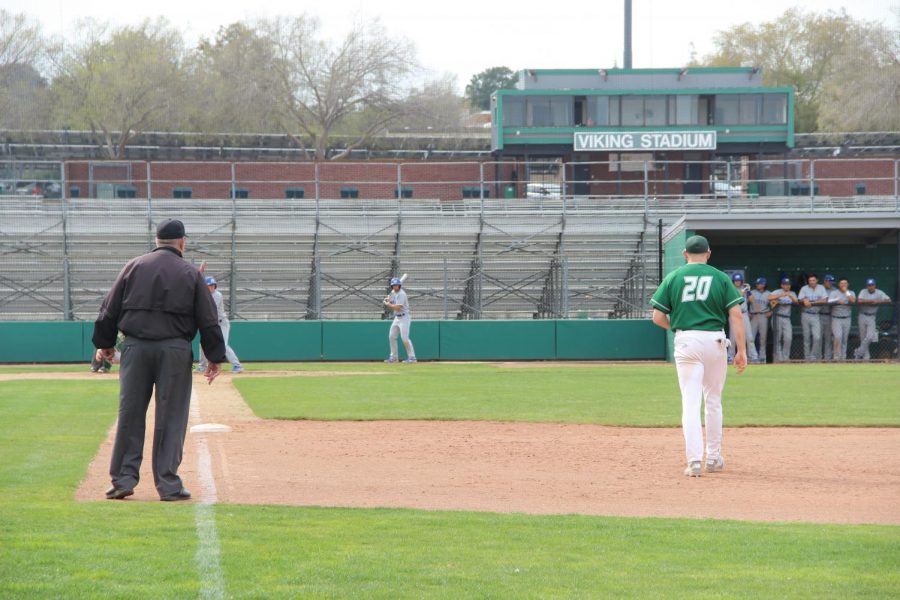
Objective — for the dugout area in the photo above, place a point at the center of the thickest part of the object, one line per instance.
(772, 245)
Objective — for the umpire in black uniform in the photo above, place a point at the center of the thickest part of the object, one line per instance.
(158, 301)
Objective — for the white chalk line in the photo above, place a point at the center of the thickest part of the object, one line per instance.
(209, 567)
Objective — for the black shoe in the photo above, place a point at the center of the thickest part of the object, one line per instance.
(184, 494)
(117, 493)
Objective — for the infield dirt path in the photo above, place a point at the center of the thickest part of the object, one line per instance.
(824, 475)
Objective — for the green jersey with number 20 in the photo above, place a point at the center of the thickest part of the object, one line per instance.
(696, 296)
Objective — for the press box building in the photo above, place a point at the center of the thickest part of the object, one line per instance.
(674, 119)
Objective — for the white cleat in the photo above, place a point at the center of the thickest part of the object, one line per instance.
(694, 469)
(715, 464)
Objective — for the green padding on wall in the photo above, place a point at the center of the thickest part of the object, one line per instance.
(276, 340)
(50, 341)
(498, 340)
(610, 340)
(368, 340)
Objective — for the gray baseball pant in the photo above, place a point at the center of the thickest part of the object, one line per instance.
(759, 326)
(400, 327)
(230, 355)
(165, 365)
(812, 336)
(784, 336)
(840, 332)
(868, 334)
(827, 343)
(748, 338)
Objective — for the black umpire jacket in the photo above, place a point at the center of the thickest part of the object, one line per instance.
(159, 296)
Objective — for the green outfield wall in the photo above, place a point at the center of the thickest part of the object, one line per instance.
(65, 341)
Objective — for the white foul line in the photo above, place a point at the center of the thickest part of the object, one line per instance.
(212, 583)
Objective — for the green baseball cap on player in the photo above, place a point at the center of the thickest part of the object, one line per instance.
(696, 244)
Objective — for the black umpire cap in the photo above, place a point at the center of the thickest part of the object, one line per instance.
(170, 229)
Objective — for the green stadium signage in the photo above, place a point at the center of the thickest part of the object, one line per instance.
(645, 140)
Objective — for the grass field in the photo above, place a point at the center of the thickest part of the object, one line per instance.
(53, 547)
(639, 395)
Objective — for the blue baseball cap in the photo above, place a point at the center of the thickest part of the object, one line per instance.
(737, 277)
(870, 282)
(829, 277)
(211, 281)
(396, 281)
(761, 280)
(785, 280)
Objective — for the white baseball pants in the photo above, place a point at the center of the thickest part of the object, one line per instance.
(812, 336)
(827, 340)
(701, 362)
(784, 337)
(400, 327)
(752, 356)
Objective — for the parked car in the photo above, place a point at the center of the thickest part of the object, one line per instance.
(721, 189)
(29, 189)
(543, 190)
(52, 189)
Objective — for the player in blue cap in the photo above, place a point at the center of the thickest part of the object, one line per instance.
(825, 318)
(760, 313)
(399, 304)
(744, 289)
(781, 302)
(868, 301)
(812, 297)
(225, 325)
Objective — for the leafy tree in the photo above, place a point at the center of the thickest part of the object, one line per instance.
(483, 84)
(23, 51)
(863, 92)
(799, 49)
(121, 84)
(230, 83)
(320, 85)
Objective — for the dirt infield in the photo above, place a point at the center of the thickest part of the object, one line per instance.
(823, 475)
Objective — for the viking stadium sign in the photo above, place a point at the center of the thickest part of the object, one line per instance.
(645, 140)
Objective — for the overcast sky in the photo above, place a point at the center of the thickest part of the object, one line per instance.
(463, 37)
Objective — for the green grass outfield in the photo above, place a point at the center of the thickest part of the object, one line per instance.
(53, 547)
(633, 395)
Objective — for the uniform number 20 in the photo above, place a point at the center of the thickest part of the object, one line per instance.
(696, 288)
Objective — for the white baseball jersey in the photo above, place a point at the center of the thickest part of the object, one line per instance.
(840, 303)
(871, 309)
(220, 305)
(813, 295)
(401, 299)
(759, 302)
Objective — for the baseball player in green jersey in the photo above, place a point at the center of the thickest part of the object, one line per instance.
(695, 300)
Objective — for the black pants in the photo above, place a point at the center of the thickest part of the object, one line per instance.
(165, 364)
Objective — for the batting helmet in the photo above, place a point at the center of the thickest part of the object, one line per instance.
(396, 281)
(211, 281)
(761, 280)
(737, 277)
(829, 277)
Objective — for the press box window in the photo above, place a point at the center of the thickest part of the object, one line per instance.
(513, 111)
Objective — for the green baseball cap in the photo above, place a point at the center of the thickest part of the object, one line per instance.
(696, 244)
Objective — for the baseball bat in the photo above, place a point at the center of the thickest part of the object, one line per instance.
(203, 266)
(403, 278)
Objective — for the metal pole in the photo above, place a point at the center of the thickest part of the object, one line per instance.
(317, 188)
(317, 301)
(150, 234)
(727, 185)
(233, 269)
(565, 288)
(659, 250)
(812, 184)
(646, 188)
(67, 282)
(480, 184)
(897, 185)
(626, 62)
(446, 288)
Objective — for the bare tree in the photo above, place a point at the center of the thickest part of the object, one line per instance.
(321, 85)
(120, 84)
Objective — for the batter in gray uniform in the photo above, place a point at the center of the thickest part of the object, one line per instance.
(868, 300)
(825, 317)
(224, 325)
(760, 313)
(781, 302)
(399, 303)
(841, 301)
(812, 296)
